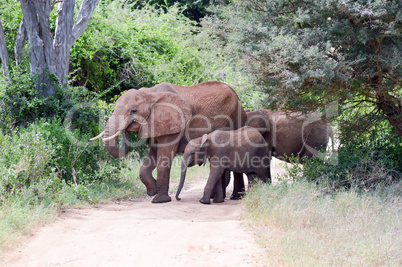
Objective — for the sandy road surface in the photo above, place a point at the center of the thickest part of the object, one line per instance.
(139, 233)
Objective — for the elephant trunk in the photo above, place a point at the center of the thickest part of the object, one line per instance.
(111, 145)
(182, 178)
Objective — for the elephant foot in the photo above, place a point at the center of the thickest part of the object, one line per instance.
(205, 200)
(151, 193)
(161, 198)
(218, 200)
(236, 196)
(152, 189)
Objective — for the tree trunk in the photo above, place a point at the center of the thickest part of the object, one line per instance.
(392, 108)
(3, 52)
(48, 54)
(64, 24)
(20, 41)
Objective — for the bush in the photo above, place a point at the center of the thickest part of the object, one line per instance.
(25, 164)
(43, 160)
(125, 48)
(63, 123)
(21, 104)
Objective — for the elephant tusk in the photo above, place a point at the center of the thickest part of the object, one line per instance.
(97, 137)
(141, 123)
(112, 137)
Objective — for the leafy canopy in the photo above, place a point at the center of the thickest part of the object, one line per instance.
(306, 54)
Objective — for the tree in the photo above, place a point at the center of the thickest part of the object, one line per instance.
(3, 52)
(48, 54)
(305, 54)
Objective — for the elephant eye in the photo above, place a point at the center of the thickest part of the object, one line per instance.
(134, 110)
(193, 153)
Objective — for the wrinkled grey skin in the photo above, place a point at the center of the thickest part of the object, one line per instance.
(170, 116)
(287, 135)
(227, 151)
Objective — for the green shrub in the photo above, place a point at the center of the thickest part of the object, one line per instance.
(125, 48)
(21, 104)
(25, 162)
(11, 16)
(44, 159)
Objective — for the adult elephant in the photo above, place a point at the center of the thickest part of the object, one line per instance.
(170, 115)
(287, 134)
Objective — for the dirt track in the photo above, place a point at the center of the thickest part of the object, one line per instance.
(139, 233)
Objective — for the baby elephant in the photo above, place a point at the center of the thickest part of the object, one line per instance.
(243, 151)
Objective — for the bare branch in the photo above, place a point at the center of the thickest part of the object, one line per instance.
(83, 17)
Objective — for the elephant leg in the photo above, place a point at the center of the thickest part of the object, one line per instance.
(264, 171)
(213, 190)
(264, 174)
(238, 186)
(213, 193)
(267, 175)
(165, 156)
(147, 167)
(221, 186)
(251, 178)
(219, 198)
(225, 182)
(214, 175)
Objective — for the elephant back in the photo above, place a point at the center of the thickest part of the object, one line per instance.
(214, 105)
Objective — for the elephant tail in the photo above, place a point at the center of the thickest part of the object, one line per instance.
(182, 178)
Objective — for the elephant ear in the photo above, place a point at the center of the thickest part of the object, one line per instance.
(204, 148)
(169, 115)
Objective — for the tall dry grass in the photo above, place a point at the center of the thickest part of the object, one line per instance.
(298, 225)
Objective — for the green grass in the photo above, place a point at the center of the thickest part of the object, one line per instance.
(298, 225)
(19, 218)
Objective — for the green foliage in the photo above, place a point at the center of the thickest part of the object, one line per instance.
(127, 48)
(25, 163)
(21, 103)
(47, 157)
(11, 16)
(307, 54)
(301, 52)
(44, 142)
